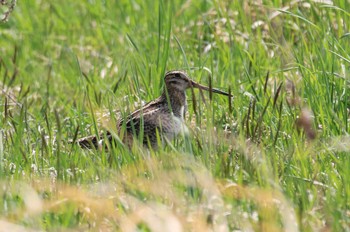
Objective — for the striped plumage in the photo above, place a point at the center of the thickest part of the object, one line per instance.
(163, 116)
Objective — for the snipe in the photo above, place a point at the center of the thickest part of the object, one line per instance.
(162, 117)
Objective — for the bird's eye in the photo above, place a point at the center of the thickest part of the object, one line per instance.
(177, 75)
(174, 80)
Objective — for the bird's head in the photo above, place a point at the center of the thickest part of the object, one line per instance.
(180, 81)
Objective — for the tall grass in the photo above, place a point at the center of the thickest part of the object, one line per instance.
(275, 157)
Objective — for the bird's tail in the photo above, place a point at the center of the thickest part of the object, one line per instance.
(97, 142)
(90, 142)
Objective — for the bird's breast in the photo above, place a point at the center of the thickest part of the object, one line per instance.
(176, 125)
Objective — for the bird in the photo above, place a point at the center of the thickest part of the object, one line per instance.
(161, 118)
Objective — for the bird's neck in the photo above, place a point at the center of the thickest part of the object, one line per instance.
(177, 100)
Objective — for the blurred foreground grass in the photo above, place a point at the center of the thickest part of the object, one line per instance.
(278, 160)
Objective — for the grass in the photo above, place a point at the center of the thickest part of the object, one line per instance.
(277, 159)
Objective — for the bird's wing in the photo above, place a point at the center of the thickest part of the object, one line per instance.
(148, 113)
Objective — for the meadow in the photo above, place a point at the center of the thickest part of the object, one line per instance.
(276, 157)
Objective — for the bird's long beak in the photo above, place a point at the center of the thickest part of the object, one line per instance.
(199, 86)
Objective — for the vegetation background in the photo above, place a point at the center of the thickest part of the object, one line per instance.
(275, 158)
